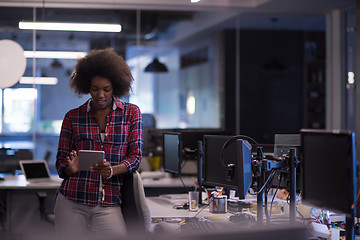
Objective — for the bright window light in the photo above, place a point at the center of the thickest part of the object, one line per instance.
(39, 80)
(19, 104)
(83, 27)
(54, 54)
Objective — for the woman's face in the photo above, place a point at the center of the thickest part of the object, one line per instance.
(101, 92)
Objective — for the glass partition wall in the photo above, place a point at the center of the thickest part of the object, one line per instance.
(244, 73)
(187, 95)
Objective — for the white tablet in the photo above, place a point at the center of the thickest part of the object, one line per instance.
(88, 158)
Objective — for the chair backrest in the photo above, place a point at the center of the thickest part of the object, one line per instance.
(134, 207)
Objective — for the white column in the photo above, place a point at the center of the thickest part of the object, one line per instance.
(335, 111)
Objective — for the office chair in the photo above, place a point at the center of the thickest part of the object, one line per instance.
(134, 207)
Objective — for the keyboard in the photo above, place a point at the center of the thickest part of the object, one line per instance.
(199, 226)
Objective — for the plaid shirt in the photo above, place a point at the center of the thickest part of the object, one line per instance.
(122, 144)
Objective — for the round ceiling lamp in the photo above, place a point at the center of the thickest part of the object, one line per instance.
(12, 63)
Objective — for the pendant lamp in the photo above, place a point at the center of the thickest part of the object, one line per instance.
(156, 66)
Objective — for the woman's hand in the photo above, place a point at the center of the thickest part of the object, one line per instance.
(73, 161)
(104, 169)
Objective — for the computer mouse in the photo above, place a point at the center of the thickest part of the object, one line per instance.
(242, 218)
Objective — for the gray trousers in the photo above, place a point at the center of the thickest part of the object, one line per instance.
(76, 221)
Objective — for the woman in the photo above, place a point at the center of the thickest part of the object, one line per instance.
(89, 201)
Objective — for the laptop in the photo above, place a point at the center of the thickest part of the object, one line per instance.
(36, 171)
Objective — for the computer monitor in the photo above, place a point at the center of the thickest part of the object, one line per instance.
(215, 170)
(284, 142)
(329, 170)
(190, 137)
(172, 152)
(282, 145)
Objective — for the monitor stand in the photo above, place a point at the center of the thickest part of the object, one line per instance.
(349, 227)
(266, 166)
(200, 155)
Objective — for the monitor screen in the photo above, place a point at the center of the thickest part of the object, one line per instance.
(329, 169)
(238, 153)
(172, 152)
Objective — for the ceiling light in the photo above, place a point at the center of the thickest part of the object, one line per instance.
(195, 1)
(84, 27)
(39, 80)
(156, 66)
(54, 54)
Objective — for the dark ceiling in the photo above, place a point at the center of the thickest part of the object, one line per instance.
(151, 21)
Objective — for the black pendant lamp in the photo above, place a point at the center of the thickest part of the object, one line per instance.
(156, 66)
(274, 65)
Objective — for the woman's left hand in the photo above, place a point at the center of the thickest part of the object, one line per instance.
(103, 168)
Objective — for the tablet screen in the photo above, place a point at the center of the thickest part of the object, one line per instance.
(88, 158)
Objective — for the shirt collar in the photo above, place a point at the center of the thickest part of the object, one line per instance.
(116, 104)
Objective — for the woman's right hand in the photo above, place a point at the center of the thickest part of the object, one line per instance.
(73, 161)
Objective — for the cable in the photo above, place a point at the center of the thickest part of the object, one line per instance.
(265, 205)
(230, 141)
(211, 200)
(302, 216)
(180, 177)
(272, 200)
(262, 188)
(184, 163)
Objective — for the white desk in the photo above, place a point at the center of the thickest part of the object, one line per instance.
(25, 217)
(162, 207)
(19, 182)
(22, 202)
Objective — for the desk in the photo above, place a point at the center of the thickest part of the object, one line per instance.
(23, 215)
(167, 185)
(22, 202)
(160, 207)
(19, 182)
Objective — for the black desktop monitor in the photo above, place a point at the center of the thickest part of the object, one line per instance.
(329, 170)
(190, 137)
(215, 171)
(284, 142)
(282, 145)
(172, 152)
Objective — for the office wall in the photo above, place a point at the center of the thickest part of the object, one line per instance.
(270, 102)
